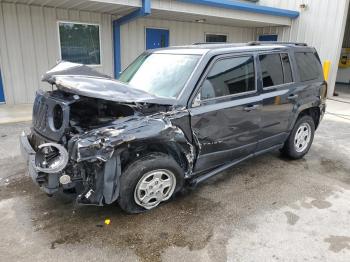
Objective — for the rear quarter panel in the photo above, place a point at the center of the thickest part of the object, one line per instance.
(311, 93)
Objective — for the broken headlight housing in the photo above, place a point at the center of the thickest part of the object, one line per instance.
(51, 158)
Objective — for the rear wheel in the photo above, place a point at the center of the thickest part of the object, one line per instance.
(149, 181)
(300, 139)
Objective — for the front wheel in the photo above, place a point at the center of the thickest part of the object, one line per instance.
(300, 138)
(147, 182)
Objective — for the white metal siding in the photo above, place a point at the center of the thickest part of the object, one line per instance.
(29, 38)
(321, 25)
(29, 46)
(180, 33)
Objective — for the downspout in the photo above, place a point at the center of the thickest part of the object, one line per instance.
(141, 12)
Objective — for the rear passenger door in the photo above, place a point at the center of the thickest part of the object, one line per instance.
(278, 94)
(225, 115)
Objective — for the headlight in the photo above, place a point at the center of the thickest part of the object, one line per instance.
(51, 158)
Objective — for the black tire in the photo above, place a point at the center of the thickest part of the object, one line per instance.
(135, 171)
(289, 148)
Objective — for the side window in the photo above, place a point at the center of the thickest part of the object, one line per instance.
(309, 66)
(287, 70)
(229, 76)
(271, 69)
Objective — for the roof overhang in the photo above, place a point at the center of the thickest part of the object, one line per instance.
(246, 7)
(223, 12)
(113, 7)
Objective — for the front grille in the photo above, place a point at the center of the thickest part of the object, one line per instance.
(43, 116)
(40, 114)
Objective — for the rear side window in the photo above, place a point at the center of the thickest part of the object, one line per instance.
(287, 70)
(229, 76)
(271, 69)
(309, 66)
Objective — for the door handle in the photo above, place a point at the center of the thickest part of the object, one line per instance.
(292, 97)
(250, 108)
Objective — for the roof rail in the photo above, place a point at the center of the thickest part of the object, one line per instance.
(275, 43)
(209, 43)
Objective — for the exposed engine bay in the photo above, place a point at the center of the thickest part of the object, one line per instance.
(90, 113)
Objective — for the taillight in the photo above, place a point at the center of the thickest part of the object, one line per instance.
(325, 90)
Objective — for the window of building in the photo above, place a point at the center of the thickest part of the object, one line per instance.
(287, 70)
(228, 77)
(271, 69)
(215, 38)
(80, 43)
(268, 37)
(309, 66)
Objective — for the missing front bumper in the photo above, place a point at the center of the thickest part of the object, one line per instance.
(49, 183)
(100, 180)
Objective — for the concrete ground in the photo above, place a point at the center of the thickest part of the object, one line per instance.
(266, 209)
(343, 92)
(15, 113)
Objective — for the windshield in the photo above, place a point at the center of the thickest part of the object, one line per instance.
(160, 74)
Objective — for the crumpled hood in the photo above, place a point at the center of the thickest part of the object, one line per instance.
(82, 80)
(68, 68)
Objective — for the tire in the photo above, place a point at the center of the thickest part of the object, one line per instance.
(139, 172)
(294, 148)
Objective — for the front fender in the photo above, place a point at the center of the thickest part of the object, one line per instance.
(102, 142)
(108, 143)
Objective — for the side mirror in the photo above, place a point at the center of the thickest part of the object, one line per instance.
(197, 100)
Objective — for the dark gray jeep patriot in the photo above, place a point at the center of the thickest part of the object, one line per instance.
(175, 117)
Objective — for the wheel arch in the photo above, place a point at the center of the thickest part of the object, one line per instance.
(181, 153)
(314, 112)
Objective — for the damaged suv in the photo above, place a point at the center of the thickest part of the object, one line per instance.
(175, 117)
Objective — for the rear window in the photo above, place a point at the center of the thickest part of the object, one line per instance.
(287, 70)
(271, 69)
(309, 66)
(275, 69)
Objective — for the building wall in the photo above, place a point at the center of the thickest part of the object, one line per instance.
(29, 46)
(181, 33)
(321, 25)
(29, 43)
(29, 38)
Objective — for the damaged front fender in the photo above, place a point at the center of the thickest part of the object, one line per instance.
(131, 135)
(101, 143)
